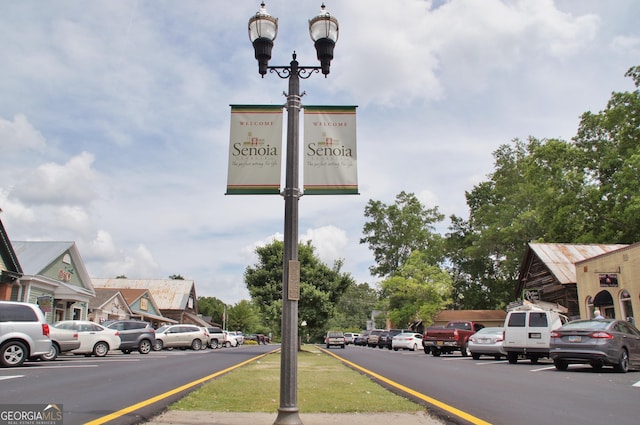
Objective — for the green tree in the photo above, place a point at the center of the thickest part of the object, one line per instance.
(321, 287)
(245, 317)
(176, 277)
(418, 291)
(212, 307)
(534, 194)
(354, 308)
(610, 143)
(393, 232)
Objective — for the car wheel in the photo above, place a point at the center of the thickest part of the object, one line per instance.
(101, 349)
(144, 347)
(534, 359)
(415, 347)
(512, 357)
(214, 343)
(623, 362)
(196, 345)
(560, 364)
(227, 344)
(52, 354)
(126, 351)
(465, 350)
(427, 350)
(395, 348)
(13, 354)
(435, 352)
(158, 345)
(475, 356)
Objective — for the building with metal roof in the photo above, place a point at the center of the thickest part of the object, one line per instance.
(54, 277)
(176, 298)
(548, 272)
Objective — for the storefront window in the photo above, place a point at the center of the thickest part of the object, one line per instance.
(626, 307)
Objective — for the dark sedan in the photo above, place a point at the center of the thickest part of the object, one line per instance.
(596, 342)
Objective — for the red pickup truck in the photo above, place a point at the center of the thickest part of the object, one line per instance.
(452, 337)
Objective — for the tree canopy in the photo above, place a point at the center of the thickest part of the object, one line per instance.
(321, 287)
(393, 232)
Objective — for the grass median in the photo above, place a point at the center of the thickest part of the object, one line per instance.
(325, 385)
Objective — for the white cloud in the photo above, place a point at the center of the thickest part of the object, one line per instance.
(70, 183)
(114, 117)
(19, 135)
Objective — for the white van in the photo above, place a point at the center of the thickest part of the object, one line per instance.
(527, 330)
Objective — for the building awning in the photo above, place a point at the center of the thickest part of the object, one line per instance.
(147, 316)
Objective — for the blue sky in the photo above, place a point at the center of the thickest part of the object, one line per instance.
(114, 116)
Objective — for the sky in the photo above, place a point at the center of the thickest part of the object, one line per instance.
(115, 117)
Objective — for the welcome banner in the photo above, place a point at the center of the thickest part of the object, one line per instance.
(255, 150)
(330, 160)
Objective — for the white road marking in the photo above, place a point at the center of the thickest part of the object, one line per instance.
(637, 384)
(3, 378)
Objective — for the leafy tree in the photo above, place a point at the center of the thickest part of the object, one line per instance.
(176, 277)
(610, 143)
(393, 232)
(213, 307)
(321, 287)
(354, 308)
(244, 317)
(549, 191)
(418, 291)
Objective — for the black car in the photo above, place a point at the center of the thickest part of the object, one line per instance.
(134, 335)
(385, 338)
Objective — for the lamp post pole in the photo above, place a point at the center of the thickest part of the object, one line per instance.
(263, 29)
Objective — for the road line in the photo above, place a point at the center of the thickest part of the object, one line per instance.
(174, 391)
(457, 412)
(4, 378)
(637, 384)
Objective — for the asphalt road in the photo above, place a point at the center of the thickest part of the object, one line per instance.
(504, 394)
(90, 387)
(491, 391)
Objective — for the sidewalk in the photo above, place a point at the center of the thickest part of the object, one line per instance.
(177, 417)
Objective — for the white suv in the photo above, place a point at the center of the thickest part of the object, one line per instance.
(24, 333)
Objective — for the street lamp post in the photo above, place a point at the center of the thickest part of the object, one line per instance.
(263, 29)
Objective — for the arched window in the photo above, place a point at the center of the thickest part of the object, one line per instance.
(589, 307)
(625, 306)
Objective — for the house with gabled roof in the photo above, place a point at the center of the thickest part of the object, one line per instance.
(548, 272)
(108, 304)
(55, 278)
(122, 303)
(10, 269)
(176, 298)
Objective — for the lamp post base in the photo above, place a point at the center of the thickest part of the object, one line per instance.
(288, 416)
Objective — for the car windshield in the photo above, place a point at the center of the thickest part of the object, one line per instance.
(162, 329)
(588, 324)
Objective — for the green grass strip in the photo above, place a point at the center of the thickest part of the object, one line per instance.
(325, 385)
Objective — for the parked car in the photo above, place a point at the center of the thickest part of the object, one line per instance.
(62, 340)
(180, 336)
(94, 339)
(24, 333)
(350, 337)
(134, 335)
(216, 337)
(239, 336)
(386, 338)
(374, 335)
(487, 342)
(362, 339)
(406, 341)
(527, 330)
(453, 337)
(230, 339)
(598, 342)
(335, 338)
